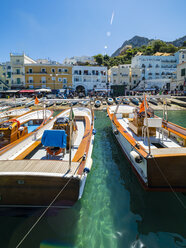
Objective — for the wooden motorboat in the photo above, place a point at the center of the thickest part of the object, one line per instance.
(53, 164)
(155, 148)
(13, 130)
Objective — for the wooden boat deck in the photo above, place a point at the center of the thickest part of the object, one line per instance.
(38, 168)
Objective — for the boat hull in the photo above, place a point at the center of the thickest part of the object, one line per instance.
(38, 191)
(155, 173)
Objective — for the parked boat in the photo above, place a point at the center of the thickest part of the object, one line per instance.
(135, 101)
(110, 101)
(126, 101)
(117, 100)
(14, 112)
(97, 103)
(29, 104)
(153, 101)
(16, 129)
(64, 103)
(155, 148)
(57, 160)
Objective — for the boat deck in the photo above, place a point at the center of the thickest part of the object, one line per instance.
(37, 168)
(40, 152)
(164, 140)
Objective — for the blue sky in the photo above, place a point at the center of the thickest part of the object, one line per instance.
(57, 29)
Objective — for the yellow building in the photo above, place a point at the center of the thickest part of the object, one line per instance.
(53, 76)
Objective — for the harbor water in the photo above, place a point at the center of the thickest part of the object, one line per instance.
(114, 212)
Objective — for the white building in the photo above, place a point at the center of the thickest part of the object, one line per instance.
(89, 78)
(17, 62)
(156, 70)
(182, 56)
(80, 59)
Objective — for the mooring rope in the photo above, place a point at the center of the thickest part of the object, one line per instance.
(40, 217)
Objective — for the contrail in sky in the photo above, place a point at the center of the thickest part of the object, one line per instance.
(112, 18)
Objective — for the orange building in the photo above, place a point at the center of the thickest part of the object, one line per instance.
(53, 76)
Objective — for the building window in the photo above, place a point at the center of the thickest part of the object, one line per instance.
(53, 78)
(60, 70)
(30, 80)
(18, 71)
(53, 70)
(43, 79)
(30, 70)
(182, 72)
(59, 79)
(17, 60)
(18, 80)
(64, 80)
(65, 70)
(43, 70)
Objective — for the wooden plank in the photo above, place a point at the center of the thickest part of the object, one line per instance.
(36, 166)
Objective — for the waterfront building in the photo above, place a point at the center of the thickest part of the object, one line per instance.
(88, 78)
(53, 76)
(80, 60)
(17, 64)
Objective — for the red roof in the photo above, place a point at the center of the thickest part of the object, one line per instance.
(26, 91)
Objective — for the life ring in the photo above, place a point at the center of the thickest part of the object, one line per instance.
(54, 151)
(18, 123)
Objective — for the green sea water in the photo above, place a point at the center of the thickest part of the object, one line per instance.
(114, 212)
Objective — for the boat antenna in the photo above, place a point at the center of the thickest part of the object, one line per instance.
(144, 96)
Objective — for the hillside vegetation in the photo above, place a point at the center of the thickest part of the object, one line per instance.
(126, 56)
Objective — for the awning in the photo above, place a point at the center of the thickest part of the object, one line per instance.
(9, 91)
(26, 91)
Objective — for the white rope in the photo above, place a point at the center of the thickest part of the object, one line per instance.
(32, 227)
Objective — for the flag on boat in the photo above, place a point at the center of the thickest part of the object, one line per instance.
(71, 115)
(36, 100)
(143, 104)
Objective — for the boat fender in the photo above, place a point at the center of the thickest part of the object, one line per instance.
(86, 170)
(94, 117)
(116, 132)
(94, 131)
(138, 159)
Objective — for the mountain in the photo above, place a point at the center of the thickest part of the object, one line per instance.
(138, 41)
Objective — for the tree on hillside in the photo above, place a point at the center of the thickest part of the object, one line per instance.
(99, 59)
(184, 43)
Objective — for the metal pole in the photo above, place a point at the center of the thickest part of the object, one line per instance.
(70, 145)
(147, 124)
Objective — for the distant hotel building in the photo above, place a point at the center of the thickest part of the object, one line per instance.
(89, 78)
